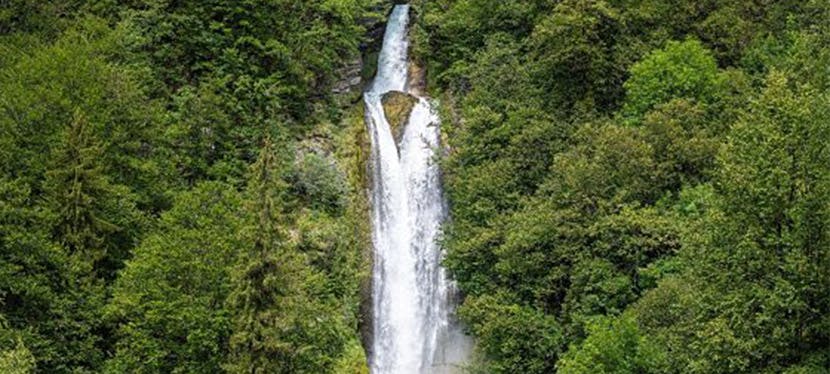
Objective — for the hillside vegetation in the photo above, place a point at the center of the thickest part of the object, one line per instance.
(635, 186)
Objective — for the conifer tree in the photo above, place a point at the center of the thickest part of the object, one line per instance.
(96, 220)
(77, 188)
(283, 323)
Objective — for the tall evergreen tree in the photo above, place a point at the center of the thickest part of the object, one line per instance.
(274, 287)
(77, 192)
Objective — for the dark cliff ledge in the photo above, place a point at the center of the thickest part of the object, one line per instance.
(356, 74)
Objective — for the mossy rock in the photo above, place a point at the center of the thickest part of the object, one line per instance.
(353, 154)
(397, 106)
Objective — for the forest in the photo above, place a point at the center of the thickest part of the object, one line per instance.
(634, 186)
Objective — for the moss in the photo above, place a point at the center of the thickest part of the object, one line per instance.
(397, 106)
(353, 154)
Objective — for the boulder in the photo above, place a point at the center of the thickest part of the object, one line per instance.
(397, 106)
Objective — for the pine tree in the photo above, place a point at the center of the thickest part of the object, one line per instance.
(254, 285)
(96, 220)
(282, 323)
(77, 188)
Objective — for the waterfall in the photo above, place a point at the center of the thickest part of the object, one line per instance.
(413, 322)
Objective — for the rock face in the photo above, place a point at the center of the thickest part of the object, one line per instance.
(350, 77)
(356, 73)
(347, 89)
(417, 79)
(398, 106)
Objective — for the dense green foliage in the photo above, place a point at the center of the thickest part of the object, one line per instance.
(636, 186)
(131, 199)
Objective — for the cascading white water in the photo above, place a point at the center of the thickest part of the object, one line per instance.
(414, 328)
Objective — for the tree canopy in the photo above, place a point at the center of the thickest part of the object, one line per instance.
(635, 186)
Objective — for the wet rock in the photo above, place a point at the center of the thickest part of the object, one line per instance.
(397, 106)
(417, 79)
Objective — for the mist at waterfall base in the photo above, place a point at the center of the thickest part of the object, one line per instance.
(413, 301)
